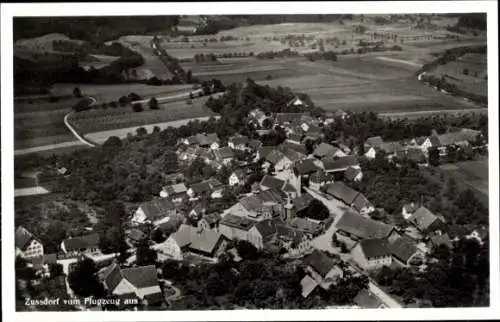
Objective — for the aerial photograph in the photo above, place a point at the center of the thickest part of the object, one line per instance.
(271, 161)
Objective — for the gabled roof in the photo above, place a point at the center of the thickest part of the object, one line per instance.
(375, 248)
(361, 202)
(142, 276)
(300, 148)
(183, 235)
(204, 241)
(403, 248)
(274, 156)
(81, 242)
(272, 182)
(443, 239)
(319, 176)
(22, 237)
(435, 141)
(266, 228)
(214, 183)
(292, 154)
(204, 140)
(391, 147)
(296, 101)
(351, 173)
(342, 192)
(325, 150)
(423, 218)
(136, 234)
(264, 151)
(321, 263)
(111, 276)
(288, 188)
(306, 166)
(237, 222)
(420, 140)
(308, 285)
(238, 139)
(239, 173)
(416, 155)
(175, 189)
(255, 144)
(212, 217)
(374, 141)
(200, 187)
(295, 137)
(288, 117)
(304, 225)
(157, 208)
(302, 202)
(340, 164)
(224, 153)
(362, 227)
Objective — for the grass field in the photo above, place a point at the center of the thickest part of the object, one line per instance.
(108, 93)
(41, 123)
(109, 119)
(474, 81)
(471, 174)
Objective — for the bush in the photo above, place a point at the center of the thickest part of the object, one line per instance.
(137, 107)
(465, 71)
(153, 103)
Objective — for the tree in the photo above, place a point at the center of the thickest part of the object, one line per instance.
(451, 189)
(113, 142)
(153, 103)
(141, 131)
(83, 279)
(189, 77)
(55, 269)
(433, 157)
(157, 236)
(137, 107)
(465, 71)
(317, 210)
(145, 255)
(246, 250)
(77, 92)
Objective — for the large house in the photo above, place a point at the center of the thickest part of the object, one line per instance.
(140, 281)
(349, 197)
(237, 178)
(207, 243)
(426, 222)
(389, 148)
(353, 227)
(321, 271)
(81, 244)
(154, 211)
(238, 142)
(175, 192)
(241, 228)
(341, 164)
(27, 245)
(377, 252)
(464, 137)
(224, 155)
(326, 150)
(260, 205)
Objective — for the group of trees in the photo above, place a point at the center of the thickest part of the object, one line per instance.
(443, 84)
(201, 58)
(277, 54)
(325, 55)
(92, 48)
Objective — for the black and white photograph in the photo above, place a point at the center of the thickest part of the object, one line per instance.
(192, 161)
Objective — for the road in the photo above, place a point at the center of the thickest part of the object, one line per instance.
(31, 191)
(433, 112)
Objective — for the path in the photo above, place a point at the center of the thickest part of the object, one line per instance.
(31, 191)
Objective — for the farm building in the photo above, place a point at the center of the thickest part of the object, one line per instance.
(27, 245)
(81, 244)
(154, 211)
(426, 222)
(357, 227)
(320, 271)
(326, 150)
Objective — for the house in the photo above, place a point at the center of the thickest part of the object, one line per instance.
(341, 164)
(318, 179)
(426, 222)
(27, 245)
(270, 182)
(294, 138)
(350, 197)
(287, 118)
(238, 142)
(356, 227)
(293, 151)
(263, 152)
(140, 281)
(301, 203)
(366, 300)
(404, 251)
(304, 168)
(344, 148)
(326, 150)
(372, 253)
(136, 236)
(320, 271)
(237, 178)
(306, 226)
(353, 174)
(279, 160)
(193, 240)
(373, 141)
(408, 210)
(41, 264)
(437, 240)
(260, 204)
(480, 234)
(341, 114)
(198, 211)
(389, 148)
(241, 228)
(267, 230)
(199, 189)
(210, 140)
(413, 154)
(209, 221)
(296, 102)
(254, 145)
(81, 244)
(175, 192)
(224, 155)
(154, 211)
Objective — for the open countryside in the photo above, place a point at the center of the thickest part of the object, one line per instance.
(252, 162)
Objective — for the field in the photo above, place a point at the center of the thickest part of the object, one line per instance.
(467, 73)
(108, 93)
(41, 123)
(471, 174)
(123, 117)
(152, 65)
(98, 61)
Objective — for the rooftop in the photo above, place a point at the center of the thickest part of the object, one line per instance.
(362, 227)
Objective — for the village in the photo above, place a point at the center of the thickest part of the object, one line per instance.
(296, 200)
